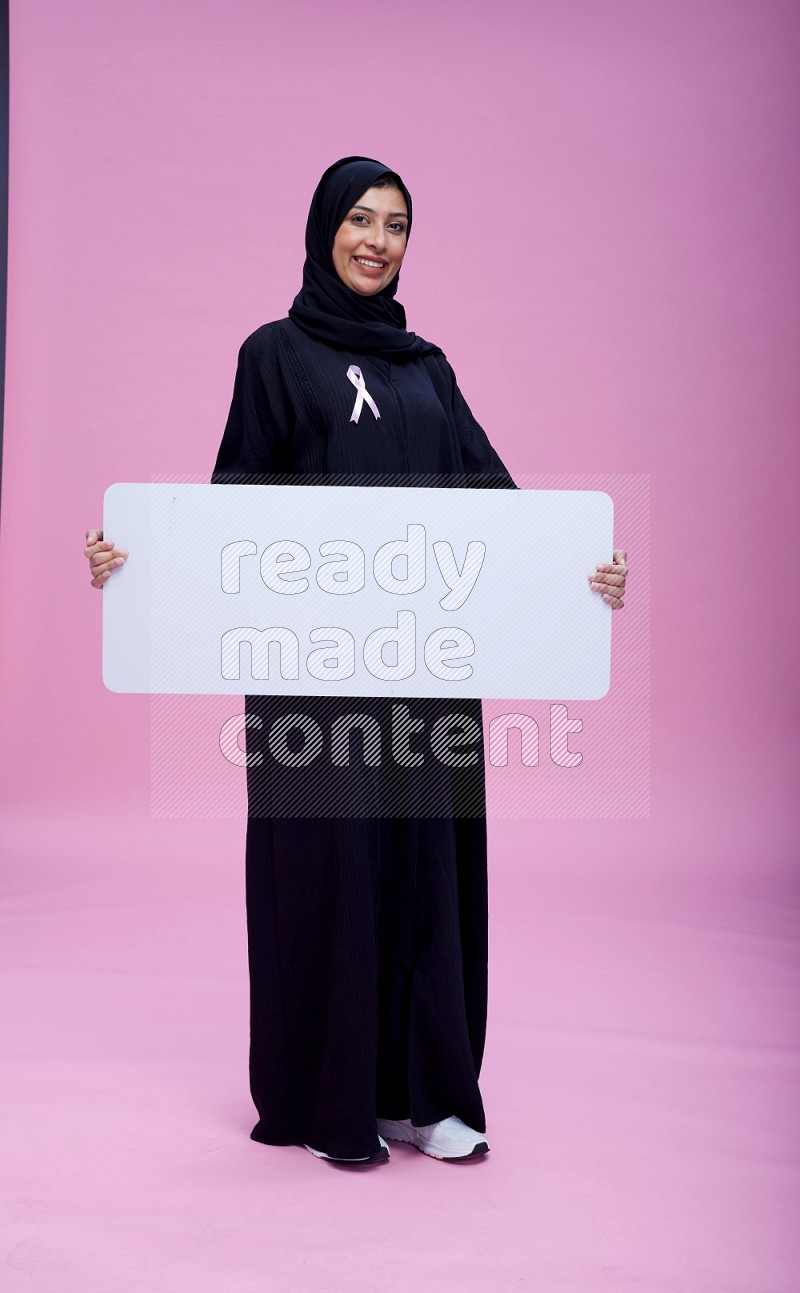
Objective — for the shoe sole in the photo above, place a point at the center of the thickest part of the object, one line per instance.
(380, 1156)
(477, 1151)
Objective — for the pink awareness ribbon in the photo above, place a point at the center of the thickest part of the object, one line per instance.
(354, 375)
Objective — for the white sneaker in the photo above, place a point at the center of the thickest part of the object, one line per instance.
(451, 1140)
(381, 1155)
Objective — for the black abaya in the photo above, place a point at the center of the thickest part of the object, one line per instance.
(367, 914)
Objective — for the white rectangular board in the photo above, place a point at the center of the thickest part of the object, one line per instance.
(486, 593)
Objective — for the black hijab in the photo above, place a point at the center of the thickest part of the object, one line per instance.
(325, 307)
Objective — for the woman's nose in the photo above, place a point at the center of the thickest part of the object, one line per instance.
(377, 239)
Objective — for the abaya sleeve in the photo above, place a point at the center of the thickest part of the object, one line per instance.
(481, 460)
(253, 447)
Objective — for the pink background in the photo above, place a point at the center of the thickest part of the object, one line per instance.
(605, 244)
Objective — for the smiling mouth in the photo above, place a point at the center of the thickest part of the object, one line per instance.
(370, 264)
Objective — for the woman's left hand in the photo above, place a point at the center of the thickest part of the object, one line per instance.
(610, 580)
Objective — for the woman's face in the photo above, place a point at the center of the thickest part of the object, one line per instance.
(370, 242)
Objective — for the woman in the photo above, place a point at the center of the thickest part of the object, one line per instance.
(366, 888)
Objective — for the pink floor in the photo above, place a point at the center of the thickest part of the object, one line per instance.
(640, 1080)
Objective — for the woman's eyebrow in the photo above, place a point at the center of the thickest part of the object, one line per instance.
(358, 207)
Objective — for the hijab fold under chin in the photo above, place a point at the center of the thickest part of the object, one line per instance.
(325, 307)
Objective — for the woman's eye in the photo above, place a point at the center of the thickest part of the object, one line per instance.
(360, 219)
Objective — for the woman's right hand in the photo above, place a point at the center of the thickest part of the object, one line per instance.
(103, 557)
